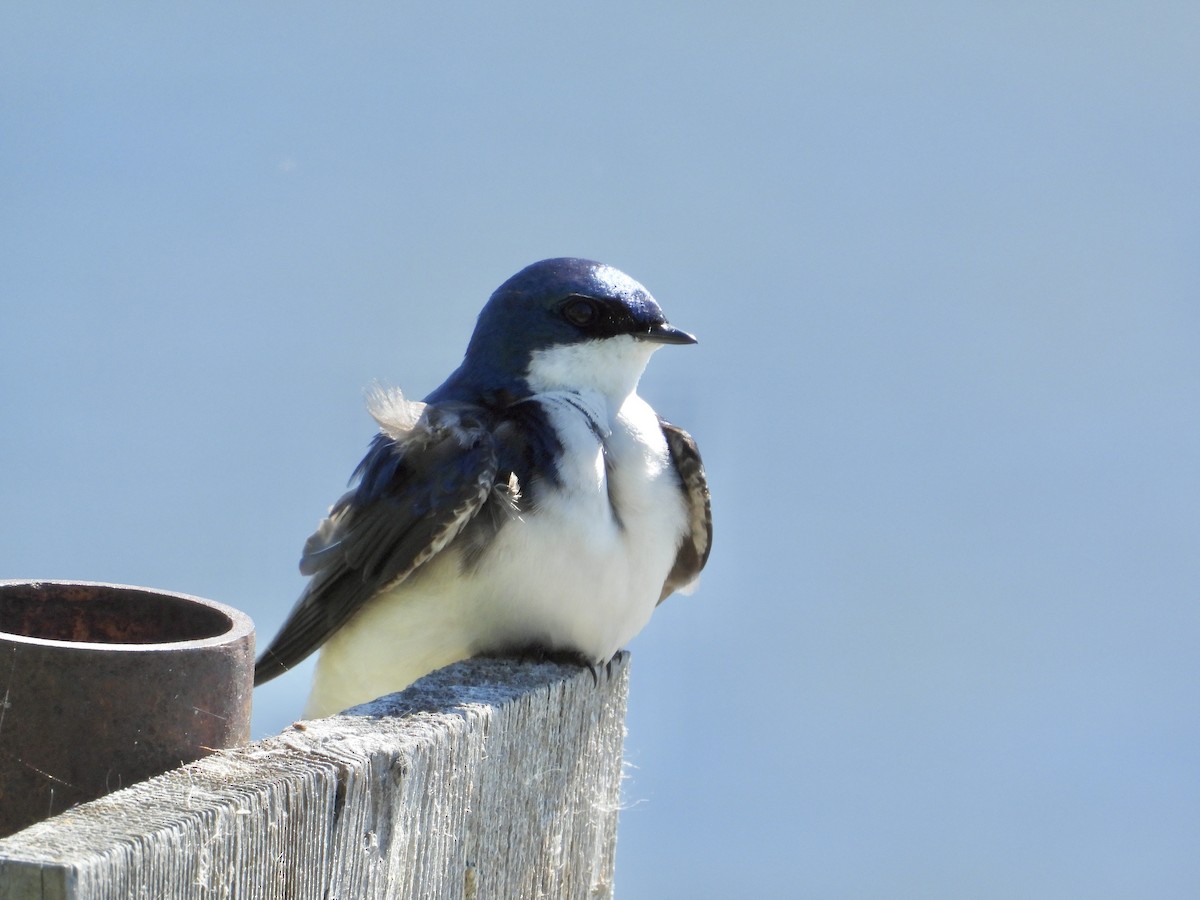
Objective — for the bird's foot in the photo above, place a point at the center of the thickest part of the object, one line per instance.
(537, 653)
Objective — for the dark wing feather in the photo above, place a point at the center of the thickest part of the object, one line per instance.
(697, 541)
(414, 496)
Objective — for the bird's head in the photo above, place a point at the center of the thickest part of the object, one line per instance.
(567, 324)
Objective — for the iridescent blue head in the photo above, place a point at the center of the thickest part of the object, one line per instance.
(563, 324)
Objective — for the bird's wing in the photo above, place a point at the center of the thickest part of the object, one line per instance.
(416, 491)
(697, 540)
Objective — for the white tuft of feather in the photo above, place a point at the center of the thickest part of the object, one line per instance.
(396, 416)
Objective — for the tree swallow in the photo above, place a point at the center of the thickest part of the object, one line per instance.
(533, 503)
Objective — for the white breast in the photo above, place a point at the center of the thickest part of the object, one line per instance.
(573, 573)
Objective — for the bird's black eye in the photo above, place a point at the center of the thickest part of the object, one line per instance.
(580, 311)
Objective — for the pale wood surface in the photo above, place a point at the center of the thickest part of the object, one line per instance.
(488, 779)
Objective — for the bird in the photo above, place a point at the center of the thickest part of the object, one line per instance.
(532, 505)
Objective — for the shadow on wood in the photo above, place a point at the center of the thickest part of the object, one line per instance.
(489, 778)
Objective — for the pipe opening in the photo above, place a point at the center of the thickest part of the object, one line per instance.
(105, 614)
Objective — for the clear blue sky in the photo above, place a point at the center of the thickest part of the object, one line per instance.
(942, 260)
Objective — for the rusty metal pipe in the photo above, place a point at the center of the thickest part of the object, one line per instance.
(103, 685)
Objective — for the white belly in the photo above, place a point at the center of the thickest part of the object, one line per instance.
(567, 575)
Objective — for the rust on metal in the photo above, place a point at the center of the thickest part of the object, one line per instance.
(104, 685)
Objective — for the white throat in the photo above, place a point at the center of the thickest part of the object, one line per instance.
(612, 366)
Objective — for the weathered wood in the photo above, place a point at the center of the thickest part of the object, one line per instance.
(487, 779)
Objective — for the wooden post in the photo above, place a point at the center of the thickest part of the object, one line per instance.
(490, 778)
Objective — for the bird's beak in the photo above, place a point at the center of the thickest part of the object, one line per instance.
(664, 333)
